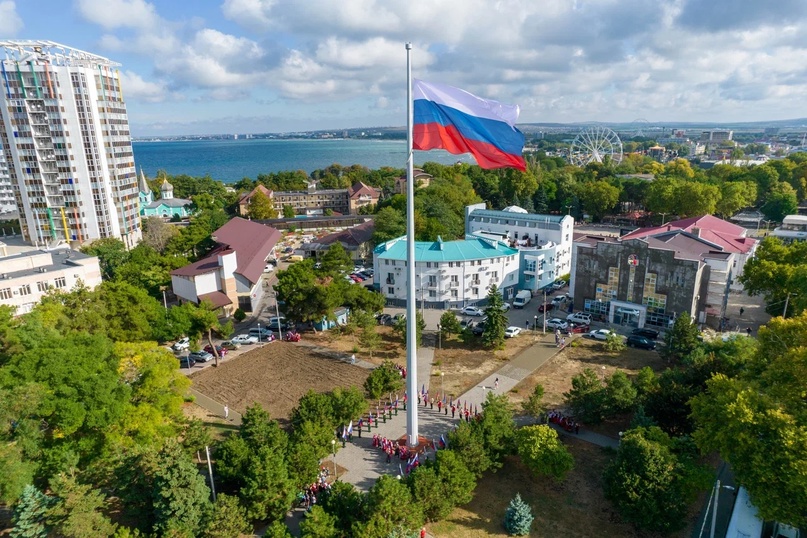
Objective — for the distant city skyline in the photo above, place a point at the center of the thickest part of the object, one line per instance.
(257, 66)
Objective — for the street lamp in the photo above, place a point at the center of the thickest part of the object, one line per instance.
(442, 375)
(544, 311)
(714, 508)
(439, 337)
(333, 449)
(535, 325)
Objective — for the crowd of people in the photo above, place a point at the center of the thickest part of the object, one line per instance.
(567, 423)
(308, 497)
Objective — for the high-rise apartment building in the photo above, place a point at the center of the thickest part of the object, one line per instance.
(65, 147)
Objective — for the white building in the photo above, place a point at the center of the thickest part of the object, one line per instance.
(26, 277)
(65, 147)
(449, 274)
(793, 228)
(544, 242)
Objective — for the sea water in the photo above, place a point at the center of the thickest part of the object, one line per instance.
(232, 160)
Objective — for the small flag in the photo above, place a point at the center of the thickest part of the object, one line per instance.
(423, 389)
(443, 439)
(344, 432)
(350, 428)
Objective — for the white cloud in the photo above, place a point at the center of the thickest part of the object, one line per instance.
(10, 22)
(112, 14)
(135, 87)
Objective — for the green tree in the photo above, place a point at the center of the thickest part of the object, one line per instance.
(345, 502)
(420, 326)
(288, 212)
(598, 198)
(204, 321)
(649, 483)
(586, 399)
(180, 496)
(157, 233)
(620, 394)
(228, 520)
(541, 451)
(318, 524)
(29, 514)
(389, 504)
(335, 261)
(614, 343)
(681, 340)
(694, 198)
(77, 511)
(468, 443)
(268, 491)
(382, 380)
(449, 323)
(534, 404)
(440, 486)
(497, 428)
(196, 436)
(496, 322)
(757, 421)
(369, 338)
(518, 517)
(734, 196)
(278, 529)
(111, 254)
(781, 201)
(776, 272)
(261, 207)
(390, 223)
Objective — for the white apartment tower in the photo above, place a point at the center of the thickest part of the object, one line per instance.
(65, 148)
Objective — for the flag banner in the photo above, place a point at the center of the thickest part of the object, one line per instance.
(344, 432)
(443, 439)
(350, 428)
(423, 389)
(459, 122)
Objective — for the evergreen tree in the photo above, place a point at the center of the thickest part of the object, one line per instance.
(541, 202)
(534, 404)
(516, 200)
(229, 518)
(527, 204)
(518, 517)
(180, 495)
(261, 207)
(681, 340)
(278, 529)
(288, 212)
(318, 524)
(496, 322)
(77, 510)
(29, 514)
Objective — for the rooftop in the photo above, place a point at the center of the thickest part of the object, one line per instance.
(723, 234)
(252, 242)
(445, 251)
(512, 213)
(355, 236)
(39, 261)
(170, 202)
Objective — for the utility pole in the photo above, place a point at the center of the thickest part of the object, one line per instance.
(787, 300)
(210, 470)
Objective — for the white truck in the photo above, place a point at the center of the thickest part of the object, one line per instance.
(522, 298)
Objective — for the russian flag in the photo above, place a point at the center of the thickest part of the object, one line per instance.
(459, 122)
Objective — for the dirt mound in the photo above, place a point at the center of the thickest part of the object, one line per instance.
(276, 376)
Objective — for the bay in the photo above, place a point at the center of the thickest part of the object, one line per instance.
(232, 160)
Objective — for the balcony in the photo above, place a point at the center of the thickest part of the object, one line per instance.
(454, 284)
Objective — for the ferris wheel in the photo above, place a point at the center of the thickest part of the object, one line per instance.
(594, 144)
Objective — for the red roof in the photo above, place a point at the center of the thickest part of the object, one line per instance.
(200, 267)
(252, 243)
(248, 195)
(726, 235)
(359, 189)
(218, 298)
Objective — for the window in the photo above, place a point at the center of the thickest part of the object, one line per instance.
(25, 290)
(475, 291)
(428, 265)
(391, 290)
(432, 294)
(5, 293)
(454, 294)
(60, 282)
(432, 281)
(42, 286)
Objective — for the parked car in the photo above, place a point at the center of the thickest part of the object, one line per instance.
(472, 311)
(579, 328)
(186, 362)
(277, 323)
(398, 317)
(221, 350)
(512, 332)
(559, 300)
(558, 285)
(230, 345)
(579, 317)
(505, 307)
(245, 339)
(201, 356)
(467, 323)
(479, 328)
(384, 319)
(641, 342)
(269, 268)
(260, 332)
(650, 334)
(557, 323)
(182, 344)
(600, 334)
(545, 307)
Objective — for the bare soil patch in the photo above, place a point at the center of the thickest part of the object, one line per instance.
(574, 508)
(391, 347)
(275, 375)
(556, 375)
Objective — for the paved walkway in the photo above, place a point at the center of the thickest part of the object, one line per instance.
(365, 464)
(215, 407)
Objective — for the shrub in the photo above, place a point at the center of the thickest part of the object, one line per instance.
(518, 517)
(239, 315)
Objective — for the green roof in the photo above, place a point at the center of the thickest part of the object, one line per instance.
(445, 251)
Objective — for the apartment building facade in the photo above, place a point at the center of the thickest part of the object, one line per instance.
(65, 147)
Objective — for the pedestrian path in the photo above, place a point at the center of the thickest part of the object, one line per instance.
(215, 407)
(365, 464)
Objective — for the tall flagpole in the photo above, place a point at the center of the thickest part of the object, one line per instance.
(411, 316)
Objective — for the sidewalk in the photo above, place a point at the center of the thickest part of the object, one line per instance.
(215, 407)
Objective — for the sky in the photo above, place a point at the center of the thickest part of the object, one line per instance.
(254, 66)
